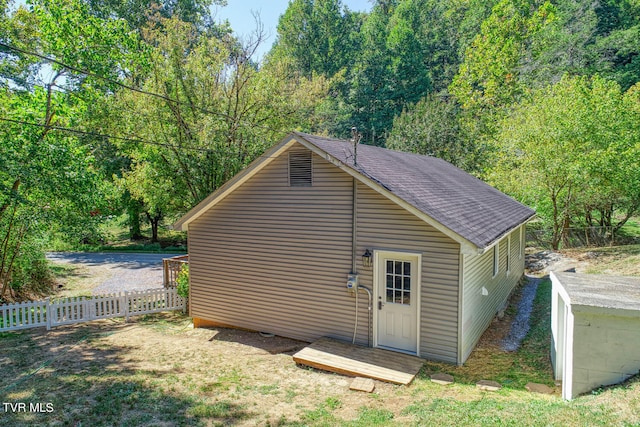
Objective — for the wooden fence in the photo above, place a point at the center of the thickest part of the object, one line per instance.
(65, 311)
(171, 268)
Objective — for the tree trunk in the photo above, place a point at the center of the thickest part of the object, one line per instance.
(154, 221)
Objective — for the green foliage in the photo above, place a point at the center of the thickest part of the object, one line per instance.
(488, 79)
(182, 281)
(318, 36)
(571, 151)
(566, 145)
(432, 127)
(225, 114)
(48, 184)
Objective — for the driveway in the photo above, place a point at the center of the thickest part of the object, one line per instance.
(115, 272)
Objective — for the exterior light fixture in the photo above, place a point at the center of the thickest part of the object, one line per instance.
(367, 258)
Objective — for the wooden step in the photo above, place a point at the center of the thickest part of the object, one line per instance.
(358, 361)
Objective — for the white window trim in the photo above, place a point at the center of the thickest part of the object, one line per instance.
(508, 254)
(496, 260)
(522, 237)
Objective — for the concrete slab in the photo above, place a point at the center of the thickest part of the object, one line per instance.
(603, 291)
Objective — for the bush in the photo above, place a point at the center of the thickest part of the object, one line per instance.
(183, 281)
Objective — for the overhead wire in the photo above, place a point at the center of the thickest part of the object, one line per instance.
(126, 86)
(125, 139)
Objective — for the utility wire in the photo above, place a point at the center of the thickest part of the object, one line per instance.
(120, 138)
(123, 85)
(98, 76)
(101, 135)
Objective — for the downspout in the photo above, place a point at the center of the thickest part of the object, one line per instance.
(354, 244)
(354, 225)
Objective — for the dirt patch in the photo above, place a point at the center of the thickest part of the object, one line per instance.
(539, 264)
(164, 354)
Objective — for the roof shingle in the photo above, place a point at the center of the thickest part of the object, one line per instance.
(459, 201)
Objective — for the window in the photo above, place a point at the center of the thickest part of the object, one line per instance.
(398, 285)
(496, 259)
(300, 169)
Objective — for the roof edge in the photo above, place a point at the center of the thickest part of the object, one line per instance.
(466, 246)
(214, 198)
(504, 234)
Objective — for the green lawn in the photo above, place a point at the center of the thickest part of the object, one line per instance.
(159, 371)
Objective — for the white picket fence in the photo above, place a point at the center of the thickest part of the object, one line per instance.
(65, 311)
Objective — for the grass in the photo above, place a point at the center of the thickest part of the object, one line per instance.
(116, 238)
(159, 371)
(619, 260)
(513, 370)
(631, 229)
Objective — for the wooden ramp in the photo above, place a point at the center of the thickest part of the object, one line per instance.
(357, 361)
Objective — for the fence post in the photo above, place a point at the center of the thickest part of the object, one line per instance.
(90, 311)
(165, 273)
(126, 307)
(48, 313)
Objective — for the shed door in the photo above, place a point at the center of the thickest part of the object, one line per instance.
(397, 296)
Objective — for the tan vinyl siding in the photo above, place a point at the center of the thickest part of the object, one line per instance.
(383, 225)
(478, 310)
(275, 258)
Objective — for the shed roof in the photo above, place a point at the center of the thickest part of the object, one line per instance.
(602, 291)
(449, 197)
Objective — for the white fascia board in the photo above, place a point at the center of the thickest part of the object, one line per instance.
(481, 251)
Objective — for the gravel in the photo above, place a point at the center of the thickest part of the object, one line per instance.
(520, 324)
(117, 272)
(540, 261)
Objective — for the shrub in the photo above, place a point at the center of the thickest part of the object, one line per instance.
(182, 281)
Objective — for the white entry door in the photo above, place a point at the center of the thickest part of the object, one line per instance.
(397, 286)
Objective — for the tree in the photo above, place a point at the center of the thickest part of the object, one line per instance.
(431, 127)
(47, 181)
(215, 113)
(488, 80)
(138, 13)
(318, 36)
(572, 151)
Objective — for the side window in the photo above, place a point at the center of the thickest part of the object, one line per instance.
(300, 169)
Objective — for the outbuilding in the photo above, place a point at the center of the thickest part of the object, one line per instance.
(595, 328)
(320, 237)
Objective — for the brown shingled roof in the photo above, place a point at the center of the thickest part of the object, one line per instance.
(459, 201)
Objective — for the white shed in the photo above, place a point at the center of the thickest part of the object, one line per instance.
(595, 330)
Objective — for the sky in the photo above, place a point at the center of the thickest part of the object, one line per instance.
(239, 14)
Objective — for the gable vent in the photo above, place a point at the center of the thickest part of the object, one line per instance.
(300, 169)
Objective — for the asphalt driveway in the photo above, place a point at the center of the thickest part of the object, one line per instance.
(116, 272)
